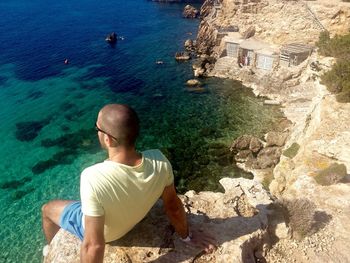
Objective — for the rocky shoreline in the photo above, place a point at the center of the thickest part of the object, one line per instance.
(316, 156)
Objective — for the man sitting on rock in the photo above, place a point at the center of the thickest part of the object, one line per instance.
(118, 193)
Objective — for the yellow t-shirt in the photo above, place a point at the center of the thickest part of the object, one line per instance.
(124, 194)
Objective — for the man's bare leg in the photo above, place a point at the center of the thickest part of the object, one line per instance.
(51, 213)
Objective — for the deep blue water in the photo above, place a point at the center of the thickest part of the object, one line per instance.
(48, 109)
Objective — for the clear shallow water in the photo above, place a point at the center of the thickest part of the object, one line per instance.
(48, 109)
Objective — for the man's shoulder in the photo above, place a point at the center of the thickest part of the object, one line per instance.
(155, 154)
(96, 168)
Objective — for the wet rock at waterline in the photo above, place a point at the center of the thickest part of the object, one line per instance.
(190, 12)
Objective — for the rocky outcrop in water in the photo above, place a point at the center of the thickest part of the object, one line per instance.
(111, 38)
(257, 154)
(190, 45)
(190, 12)
(181, 56)
(202, 65)
(237, 219)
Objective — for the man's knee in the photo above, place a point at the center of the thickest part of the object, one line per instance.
(44, 210)
(53, 210)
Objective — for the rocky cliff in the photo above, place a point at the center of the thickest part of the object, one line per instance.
(315, 161)
(274, 21)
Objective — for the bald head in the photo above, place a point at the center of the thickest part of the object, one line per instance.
(121, 122)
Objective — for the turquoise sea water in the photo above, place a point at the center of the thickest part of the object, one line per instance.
(48, 109)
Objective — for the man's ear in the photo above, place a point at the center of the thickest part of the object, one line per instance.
(107, 140)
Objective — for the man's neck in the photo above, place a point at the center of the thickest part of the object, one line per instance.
(127, 156)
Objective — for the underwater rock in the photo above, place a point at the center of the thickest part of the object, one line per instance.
(20, 193)
(63, 157)
(35, 94)
(14, 184)
(66, 106)
(199, 90)
(29, 130)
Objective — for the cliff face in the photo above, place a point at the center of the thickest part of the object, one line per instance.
(276, 22)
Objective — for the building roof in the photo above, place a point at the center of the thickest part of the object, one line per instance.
(233, 37)
(267, 51)
(295, 48)
(254, 44)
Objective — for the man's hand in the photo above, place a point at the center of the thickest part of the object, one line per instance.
(93, 246)
(177, 216)
(202, 240)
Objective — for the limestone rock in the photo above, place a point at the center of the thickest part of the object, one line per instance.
(193, 82)
(201, 65)
(276, 138)
(268, 157)
(206, 38)
(153, 240)
(249, 32)
(190, 45)
(241, 143)
(190, 12)
(243, 155)
(255, 145)
(180, 56)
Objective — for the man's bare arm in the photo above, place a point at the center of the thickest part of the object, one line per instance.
(93, 246)
(175, 211)
(177, 216)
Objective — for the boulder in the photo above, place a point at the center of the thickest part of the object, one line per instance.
(190, 12)
(202, 64)
(268, 157)
(182, 56)
(243, 155)
(250, 32)
(241, 143)
(193, 82)
(276, 138)
(189, 45)
(255, 145)
(237, 219)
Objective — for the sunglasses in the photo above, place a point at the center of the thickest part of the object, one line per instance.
(99, 130)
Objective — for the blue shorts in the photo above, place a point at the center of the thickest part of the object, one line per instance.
(72, 219)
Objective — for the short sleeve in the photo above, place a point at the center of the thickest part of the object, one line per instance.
(89, 201)
(169, 172)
